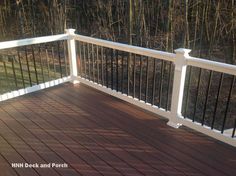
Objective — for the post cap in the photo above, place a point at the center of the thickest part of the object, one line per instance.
(183, 51)
(70, 31)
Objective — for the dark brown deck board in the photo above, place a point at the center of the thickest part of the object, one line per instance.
(71, 144)
(56, 146)
(134, 147)
(97, 134)
(65, 121)
(6, 168)
(141, 127)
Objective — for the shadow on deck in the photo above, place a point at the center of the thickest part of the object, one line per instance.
(96, 134)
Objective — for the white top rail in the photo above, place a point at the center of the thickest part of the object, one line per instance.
(128, 48)
(31, 41)
(192, 61)
(212, 65)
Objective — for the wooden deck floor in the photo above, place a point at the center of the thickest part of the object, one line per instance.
(96, 134)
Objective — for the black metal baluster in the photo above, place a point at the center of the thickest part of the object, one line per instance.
(93, 63)
(122, 72)
(206, 100)
(128, 74)
(28, 68)
(65, 58)
(111, 68)
(14, 73)
(168, 86)
(161, 82)
(140, 77)
(233, 133)
(117, 70)
(217, 100)
(59, 58)
(228, 103)
(83, 58)
(146, 89)
(102, 57)
(98, 67)
(187, 91)
(1, 81)
(134, 75)
(48, 64)
(80, 72)
(41, 64)
(106, 67)
(21, 70)
(198, 88)
(35, 66)
(154, 82)
(53, 62)
(85, 62)
(6, 75)
(89, 63)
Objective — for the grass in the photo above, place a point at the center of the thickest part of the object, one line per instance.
(12, 77)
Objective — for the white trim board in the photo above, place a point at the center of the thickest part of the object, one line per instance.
(38, 87)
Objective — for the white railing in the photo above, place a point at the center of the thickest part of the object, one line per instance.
(181, 60)
(33, 41)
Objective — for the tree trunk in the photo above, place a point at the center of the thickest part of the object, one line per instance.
(233, 33)
(187, 42)
(130, 22)
(213, 36)
(21, 21)
(169, 26)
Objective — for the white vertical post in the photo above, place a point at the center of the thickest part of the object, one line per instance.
(72, 55)
(178, 86)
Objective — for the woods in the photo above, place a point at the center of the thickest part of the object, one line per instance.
(206, 26)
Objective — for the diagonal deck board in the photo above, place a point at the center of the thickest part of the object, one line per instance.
(97, 134)
(155, 132)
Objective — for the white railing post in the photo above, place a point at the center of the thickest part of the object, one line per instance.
(178, 86)
(72, 55)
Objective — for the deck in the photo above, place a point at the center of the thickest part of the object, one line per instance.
(96, 134)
